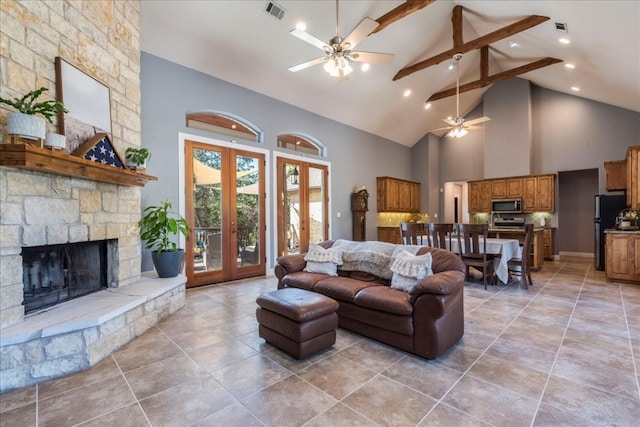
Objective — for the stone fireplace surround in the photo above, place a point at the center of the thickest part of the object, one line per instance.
(43, 209)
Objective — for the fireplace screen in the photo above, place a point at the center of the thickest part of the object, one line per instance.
(56, 273)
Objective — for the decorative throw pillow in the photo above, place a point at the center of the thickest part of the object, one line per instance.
(328, 268)
(408, 268)
(321, 260)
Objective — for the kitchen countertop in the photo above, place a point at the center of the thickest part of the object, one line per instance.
(616, 231)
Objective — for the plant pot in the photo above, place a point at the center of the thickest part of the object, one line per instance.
(55, 141)
(128, 163)
(169, 263)
(26, 125)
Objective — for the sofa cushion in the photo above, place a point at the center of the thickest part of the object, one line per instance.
(386, 299)
(302, 280)
(317, 253)
(341, 288)
(328, 268)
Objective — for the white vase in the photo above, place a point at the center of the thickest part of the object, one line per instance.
(26, 125)
(55, 141)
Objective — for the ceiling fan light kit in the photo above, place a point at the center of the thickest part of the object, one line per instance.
(339, 51)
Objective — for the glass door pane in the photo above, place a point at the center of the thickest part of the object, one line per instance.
(292, 219)
(317, 207)
(207, 209)
(249, 236)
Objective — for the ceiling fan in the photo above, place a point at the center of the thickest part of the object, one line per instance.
(339, 51)
(458, 126)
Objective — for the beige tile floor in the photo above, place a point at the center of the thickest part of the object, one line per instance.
(564, 353)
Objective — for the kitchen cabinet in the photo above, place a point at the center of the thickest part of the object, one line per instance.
(547, 242)
(622, 255)
(615, 175)
(633, 177)
(537, 193)
(480, 194)
(397, 195)
(537, 246)
(389, 234)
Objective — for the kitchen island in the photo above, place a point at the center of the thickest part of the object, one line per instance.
(622, 255)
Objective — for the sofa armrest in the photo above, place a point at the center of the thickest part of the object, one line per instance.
(288, 264)
(443, 283)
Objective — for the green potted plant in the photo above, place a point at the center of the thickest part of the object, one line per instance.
(157, 226)
(136, 158)
(25, 123)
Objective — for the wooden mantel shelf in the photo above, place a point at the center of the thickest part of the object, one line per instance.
(34, 158)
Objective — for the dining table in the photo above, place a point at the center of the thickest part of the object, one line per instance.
(506, 249)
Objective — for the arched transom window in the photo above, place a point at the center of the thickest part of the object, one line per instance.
(301, 143)
(225, 124)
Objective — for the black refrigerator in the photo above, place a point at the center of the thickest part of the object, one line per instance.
(607, 209)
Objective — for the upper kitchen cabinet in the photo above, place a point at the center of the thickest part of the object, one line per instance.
(633, 177)
(615, 175)
(397, 195)
(480, 194)
(537, 193)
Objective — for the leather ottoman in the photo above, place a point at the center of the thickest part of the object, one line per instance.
(296, 321)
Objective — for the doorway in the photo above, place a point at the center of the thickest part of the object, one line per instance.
(303, 205)
(456, 208)
(225, 206)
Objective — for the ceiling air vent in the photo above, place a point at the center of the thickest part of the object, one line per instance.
(274, 10)
(561, 26)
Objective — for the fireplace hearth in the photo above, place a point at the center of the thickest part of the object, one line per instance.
(53, 274)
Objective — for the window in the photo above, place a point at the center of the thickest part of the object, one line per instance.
(300, 143)
(225, 124)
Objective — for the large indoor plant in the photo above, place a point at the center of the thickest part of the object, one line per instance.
(25, 122)
(157, 226)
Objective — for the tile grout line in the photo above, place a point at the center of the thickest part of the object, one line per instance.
(633, 359)
(555, 359)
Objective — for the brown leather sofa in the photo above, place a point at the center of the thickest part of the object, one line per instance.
(426, 320)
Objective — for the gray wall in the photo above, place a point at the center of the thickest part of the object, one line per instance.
(568, 133)
(169, 91)
(576, 210)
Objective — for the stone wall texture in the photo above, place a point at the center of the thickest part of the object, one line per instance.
(101, 38)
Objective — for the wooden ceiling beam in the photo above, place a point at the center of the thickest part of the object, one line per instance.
(541, 63)
(484, 62)
(402, 11)
(502, 33)
(456, 23)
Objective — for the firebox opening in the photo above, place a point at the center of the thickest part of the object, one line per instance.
(54, 274)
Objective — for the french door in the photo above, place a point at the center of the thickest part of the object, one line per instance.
(303, 205)
(225, 205)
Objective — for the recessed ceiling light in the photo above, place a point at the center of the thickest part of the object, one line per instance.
(575, 88)
(427, 105)
(514, 45)
(407, 93)
(451, 67)
(301, 26)
(365, 67)
(564, 40)
(449, 118)
(570, 66)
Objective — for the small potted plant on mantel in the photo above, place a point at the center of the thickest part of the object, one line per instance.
(26, 124)
(136, 158)
(157, 226)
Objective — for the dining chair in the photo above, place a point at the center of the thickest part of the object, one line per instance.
(472, 245)
(413, 233)
(522, 266)
(440, 235)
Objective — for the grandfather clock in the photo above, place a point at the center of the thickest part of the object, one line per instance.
(359, 208)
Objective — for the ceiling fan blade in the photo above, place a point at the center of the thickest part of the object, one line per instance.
(364, 28)
(372, 57)
(450, 122)
(436, 129)
(306, 37)
(309, 63)
(477, 121)
(475, 127)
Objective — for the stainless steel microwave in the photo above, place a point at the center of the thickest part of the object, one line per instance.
(506, 205)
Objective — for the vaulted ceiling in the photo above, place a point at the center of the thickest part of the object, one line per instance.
(239, 42)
